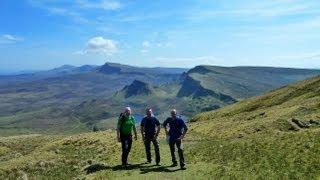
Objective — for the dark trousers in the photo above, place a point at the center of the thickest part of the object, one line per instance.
(126, 143)
(172, 145)
(147, 143)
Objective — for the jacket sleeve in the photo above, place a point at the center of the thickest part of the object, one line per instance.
(157, 122)
(184, 124)
(133, 120)
(165, 123)
(119, 122)
(142, 122)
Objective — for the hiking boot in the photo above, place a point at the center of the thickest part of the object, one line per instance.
(126, 165)
(147, 162)
(183, 168)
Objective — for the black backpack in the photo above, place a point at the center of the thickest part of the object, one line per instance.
(121, 119)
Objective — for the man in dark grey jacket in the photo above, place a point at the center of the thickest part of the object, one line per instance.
(150, 128)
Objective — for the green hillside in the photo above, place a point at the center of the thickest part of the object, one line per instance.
(273, 136)
(269, 113)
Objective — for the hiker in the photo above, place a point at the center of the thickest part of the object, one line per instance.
(150, 129)
(126, 124)
(176, 133)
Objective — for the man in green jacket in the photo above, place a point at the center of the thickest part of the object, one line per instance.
(126, 124)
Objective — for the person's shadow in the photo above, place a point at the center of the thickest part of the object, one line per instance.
(95, 167)
(99, 167)
(144, 169)
(129, 167)
(147, 169)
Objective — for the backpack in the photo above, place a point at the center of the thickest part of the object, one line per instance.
(121, 117)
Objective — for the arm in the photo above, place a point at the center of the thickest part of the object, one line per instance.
(135, 132)
(142, 129)
(118, 131)
(134, 127)
(158, 131)
(165, 126)
(185, 129)
(158, 128)
(142, 132)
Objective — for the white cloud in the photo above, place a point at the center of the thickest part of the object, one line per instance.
(81, 52)
(146, 44)
(55, 8)
(104, 4)
(144, 50)
(111, 30)
(145, 47)
(75, 9)
(74, 15)
(76, 4)
(99, 45)
(8, 39)
(167, 44)
(261, 9)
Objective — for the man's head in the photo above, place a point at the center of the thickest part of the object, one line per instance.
(173, 113)
(127, 111)
(149, 112)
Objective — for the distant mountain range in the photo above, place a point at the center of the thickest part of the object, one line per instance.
(73, 99)
(107, 68)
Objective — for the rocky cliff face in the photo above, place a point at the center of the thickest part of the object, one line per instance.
(137, 88)
(192, 87)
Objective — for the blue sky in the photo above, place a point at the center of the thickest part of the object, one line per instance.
(44, 34)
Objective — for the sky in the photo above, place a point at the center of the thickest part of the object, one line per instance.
(43, 34)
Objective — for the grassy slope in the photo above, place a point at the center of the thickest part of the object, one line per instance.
(268, 113)
(250, 139)
(254, 134)
(68, 157)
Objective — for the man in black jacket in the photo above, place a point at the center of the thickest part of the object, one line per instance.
(150, 128)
